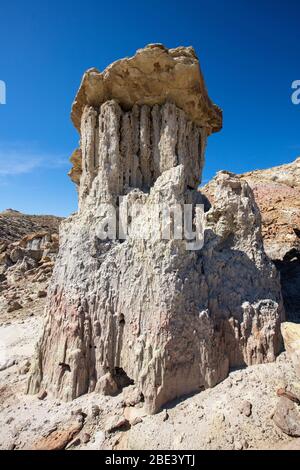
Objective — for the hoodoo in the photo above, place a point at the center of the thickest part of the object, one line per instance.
(149, 312)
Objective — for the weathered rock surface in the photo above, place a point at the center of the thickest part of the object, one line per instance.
(28, 248)
(277, 193)
(291, 337)
(153, 76)
(59, 439)
(287, 417)
(147, 310)
(15, 225)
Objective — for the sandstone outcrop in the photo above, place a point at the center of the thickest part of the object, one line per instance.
(277, 193)
(291, 336)
(147, 311)
(28, 248)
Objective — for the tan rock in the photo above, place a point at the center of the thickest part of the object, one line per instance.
(134, 414)
(115, 422)
(76, 170)
(245, 408)
(24, 367)
(278, 188)
(107, 385)
(287, 417)
(175, 76)
(277, 194)
(59, 439)
(131, 395)
(291, 337)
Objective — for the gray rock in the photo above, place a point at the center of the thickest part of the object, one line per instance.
(287, 417)
(246, 408)
(148, 311)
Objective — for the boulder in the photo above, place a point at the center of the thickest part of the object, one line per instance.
(287, 417)
(291, 337)
(60, 438)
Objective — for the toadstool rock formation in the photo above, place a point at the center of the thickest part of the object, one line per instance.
(147, 311)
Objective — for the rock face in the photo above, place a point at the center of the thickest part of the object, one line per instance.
(153, 76)
(277, 193)
(291, 336)
(28, 248)
(146, 310)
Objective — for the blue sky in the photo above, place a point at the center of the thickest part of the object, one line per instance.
(248, 49)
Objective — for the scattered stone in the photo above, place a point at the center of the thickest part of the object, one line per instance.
(42, 395)
(50, 430)
(41, 294)
(132, 413)
(95, 411)
(246, 408)
(282, 392)
(238, 445)
(86, 438)
(131, 396)
(14, 306)
(74, 443)
(59, 439)
(6, 363)
(24, 367)
(287, 417)
(136, 420)
(115, 423)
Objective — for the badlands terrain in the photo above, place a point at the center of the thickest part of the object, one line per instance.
(153, 341)
(238, 413)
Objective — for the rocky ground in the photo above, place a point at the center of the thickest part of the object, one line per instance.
(14, 224)
(254, 408)
(236, 414)
(28, 248)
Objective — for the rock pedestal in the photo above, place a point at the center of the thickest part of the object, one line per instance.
(146, 311)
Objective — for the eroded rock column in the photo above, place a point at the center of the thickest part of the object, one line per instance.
(147, 311)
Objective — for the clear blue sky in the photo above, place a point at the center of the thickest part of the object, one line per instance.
(249, 52)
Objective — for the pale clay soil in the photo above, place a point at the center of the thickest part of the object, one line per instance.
(217, 418)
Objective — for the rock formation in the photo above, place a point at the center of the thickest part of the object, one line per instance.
(28, 248)
(277, 193)
(146, 311)
(291, 336)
